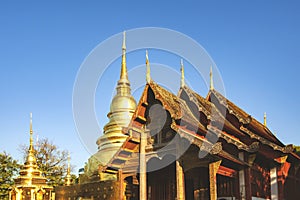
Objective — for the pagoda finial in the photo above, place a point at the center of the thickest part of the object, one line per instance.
(69, 159)
(123, 74)
(211, 87)
(148, 78)
(265, 119)
(31, 160)
(68, 177)
(182, 83)
(124, 41)
(31, 132)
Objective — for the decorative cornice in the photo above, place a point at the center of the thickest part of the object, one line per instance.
(285, 149)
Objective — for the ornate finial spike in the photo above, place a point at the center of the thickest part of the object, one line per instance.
(148, 68)
(265, 119)
(182, 83)
(211, 87)
(30, 132)
(123, 74)
(68, 177)
(124, 40)
(69, 159)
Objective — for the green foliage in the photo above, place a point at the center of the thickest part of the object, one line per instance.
(51, 161)
(9, 169)
(297, 149)
(74, 179)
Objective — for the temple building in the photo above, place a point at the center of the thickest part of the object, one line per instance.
(186, 147)
(31, 185)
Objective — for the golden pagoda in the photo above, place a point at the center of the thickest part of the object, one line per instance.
(121, 110)
(30, 185)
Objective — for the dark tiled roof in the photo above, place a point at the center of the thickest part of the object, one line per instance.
(176, 106)
(244, 117)
(241, 115)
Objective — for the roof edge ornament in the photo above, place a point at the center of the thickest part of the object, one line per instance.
(211, 86)
(265, 119)
(182, 82)
(148, 77)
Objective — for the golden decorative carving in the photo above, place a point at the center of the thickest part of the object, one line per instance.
(288, 148)
(213, 169)
(265, 141)
(253, 147)
(251, 159)
(281, 160)
(216, 148)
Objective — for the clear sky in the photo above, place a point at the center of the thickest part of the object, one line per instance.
(255, 45)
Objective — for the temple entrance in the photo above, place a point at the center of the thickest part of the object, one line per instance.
(161, 184)
(197, 184)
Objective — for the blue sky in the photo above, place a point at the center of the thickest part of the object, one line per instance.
(255, 45)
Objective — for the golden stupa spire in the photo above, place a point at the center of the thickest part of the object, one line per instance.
(123, 74)
(182, 83)
(68, 177)
(265, 119)
(31, 160)
(148, 78)
(30, 132)
(211, 86)
(123, 87)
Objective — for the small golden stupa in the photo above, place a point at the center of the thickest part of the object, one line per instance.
(30, 184)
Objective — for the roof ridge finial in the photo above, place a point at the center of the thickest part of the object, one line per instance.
(123, 74)
(265, 119)
(211, 87)
(124, 41)
(30, 132)
(148, 78)
(182, 83)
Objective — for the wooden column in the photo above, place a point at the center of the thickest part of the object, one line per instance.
(250, 158)
(179, 182)
(248, 183)
(274, 183)
(282, 173)
(242, 188)
(213, 169)
(121, 182)
(143, 166)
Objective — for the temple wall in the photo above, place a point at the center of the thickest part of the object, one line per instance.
(104, 190)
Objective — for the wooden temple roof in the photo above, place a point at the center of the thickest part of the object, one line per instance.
(180, 111)
(246, 120)
(210, 111)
